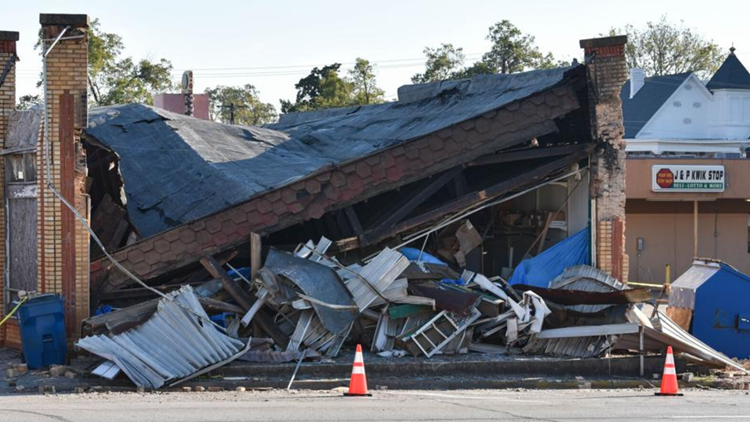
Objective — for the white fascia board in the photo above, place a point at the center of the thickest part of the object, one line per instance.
(658, 146)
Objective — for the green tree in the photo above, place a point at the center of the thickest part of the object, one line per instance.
(253, 111)
(664, 48)
(25, 102)
(478, 68)
(364, 84)
(444, 62)
(322, 88)
(116, 80)
(513, 51)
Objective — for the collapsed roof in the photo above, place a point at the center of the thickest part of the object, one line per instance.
(197, 188)
(177, 168)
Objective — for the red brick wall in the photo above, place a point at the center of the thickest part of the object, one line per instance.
(607, 70)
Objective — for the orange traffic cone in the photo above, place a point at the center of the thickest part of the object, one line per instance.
(669, 378)
(358, 382)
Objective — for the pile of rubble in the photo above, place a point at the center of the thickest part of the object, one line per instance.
(306, 304)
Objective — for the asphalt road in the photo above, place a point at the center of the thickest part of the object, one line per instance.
(403, 406)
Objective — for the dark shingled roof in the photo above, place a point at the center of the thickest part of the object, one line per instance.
(731, 75)
(176, 168)
(637, 111)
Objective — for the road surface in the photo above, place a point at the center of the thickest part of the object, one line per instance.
(384, 406)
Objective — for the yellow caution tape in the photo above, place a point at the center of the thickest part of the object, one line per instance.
(13, 311)
(656, 286)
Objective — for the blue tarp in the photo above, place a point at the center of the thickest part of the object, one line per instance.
(413, 254)
(540, 270)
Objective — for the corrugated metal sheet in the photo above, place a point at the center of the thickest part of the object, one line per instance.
(379, 273)
(319, 282)
(584, 278)
(174, 343)
(682, 294)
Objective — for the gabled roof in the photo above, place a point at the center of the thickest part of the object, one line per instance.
(637, 111)
(731, 75)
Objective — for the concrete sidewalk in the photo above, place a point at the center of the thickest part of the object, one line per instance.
(384, 406)
(470, 371)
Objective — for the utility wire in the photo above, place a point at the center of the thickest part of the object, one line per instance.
(51, 186)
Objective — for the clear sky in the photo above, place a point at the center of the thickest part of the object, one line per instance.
(272, 44)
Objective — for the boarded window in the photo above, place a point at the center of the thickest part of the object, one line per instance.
(20, 224)
(20, 168)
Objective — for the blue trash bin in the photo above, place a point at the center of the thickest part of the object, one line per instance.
(42, 325)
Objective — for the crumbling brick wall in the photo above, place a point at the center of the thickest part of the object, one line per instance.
(63, 241)
(607, 72)
(7, 104)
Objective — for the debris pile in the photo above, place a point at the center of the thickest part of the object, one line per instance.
(306, 304)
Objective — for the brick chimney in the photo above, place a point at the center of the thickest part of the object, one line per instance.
(637, 80)
(607, 73)
(63, 241)
(7, 104)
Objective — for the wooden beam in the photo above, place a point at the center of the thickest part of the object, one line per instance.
(244, 300)
(256, 263)
(351, 216)
(460, 186)
(410, 202)
(543, 235)
(520, 180)
(235, 290)
(527, 154)
(256, 257)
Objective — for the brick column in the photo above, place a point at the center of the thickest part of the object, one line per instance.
(7, 104)
(607, 72)
(63, 242)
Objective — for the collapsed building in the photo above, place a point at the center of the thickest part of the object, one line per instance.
(456, 183)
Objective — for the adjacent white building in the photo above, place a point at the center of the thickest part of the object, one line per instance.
(688, 176)
(682, 114)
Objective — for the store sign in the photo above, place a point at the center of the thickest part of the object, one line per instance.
(672, 178)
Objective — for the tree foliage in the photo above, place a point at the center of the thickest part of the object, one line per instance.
(25, 102)
(364, 84)
(664, 47)
(252, 112)
(323, 88)
(511, 51)
(444, 62)
(116, 80)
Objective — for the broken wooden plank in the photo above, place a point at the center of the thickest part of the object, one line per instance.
(219, 306)
(244, 299)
